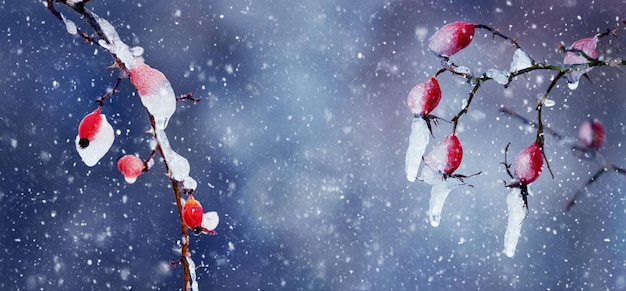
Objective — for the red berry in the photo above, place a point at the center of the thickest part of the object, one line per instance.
(131, 167)
(192, 214)
(90, 125)
(146, 79)
(528, 164)
(591, 134)
(424, 97)
(446, 156)
(451, 38)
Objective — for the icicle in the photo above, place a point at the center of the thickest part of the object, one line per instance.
(438, 195)
(192, 273)
(517, 213)
(418, 139)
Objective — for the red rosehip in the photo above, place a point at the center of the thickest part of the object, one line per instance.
(192, 214)
(589, 47)
(591, 134)
(528, 164)
(424, 97)
(88, 127)
(95, 137)
(446, 156)
(131, 167)
(451, 38)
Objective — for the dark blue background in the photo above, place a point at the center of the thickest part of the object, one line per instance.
(299, 144)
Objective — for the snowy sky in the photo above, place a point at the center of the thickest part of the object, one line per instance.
(299, 143)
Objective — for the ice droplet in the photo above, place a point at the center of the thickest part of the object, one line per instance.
(418, 139)
(549, 103)
(572, 85)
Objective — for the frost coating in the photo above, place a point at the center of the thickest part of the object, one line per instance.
(155, 91)
(418, 139)
(95, 138)
(517, 213)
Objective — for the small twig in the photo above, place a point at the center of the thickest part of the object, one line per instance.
(188, 96)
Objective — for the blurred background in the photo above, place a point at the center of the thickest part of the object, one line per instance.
(299, 144)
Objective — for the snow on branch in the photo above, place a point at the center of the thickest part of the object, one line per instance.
(95, 134)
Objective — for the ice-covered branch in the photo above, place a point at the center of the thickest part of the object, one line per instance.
(95, 134)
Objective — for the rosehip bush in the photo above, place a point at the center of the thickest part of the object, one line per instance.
(445, 158)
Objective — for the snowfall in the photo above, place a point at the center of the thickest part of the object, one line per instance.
(300, 144)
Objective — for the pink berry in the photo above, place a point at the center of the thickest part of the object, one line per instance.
(587, 46)
(528, 164)
(131, 167)
(424, 97)
(451, 38)
(88, 127)
(446, 156)
(591, 134)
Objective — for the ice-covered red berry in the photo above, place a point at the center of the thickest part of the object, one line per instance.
(95, 137)
(451, 38)
(424, 97)
(131, 167)
(192, 214)
(528, 164)
(591, 134)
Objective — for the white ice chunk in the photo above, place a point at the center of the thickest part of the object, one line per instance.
(190, 183)
(418, 139)
(70, 26)
(116, 46)
(155, 91)
(178, 165)
(517, 213)
(500, 77)
(137, 51)
(210, 220)
(572, 85)
(99, 146)
(463, 70)
(521, 60)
